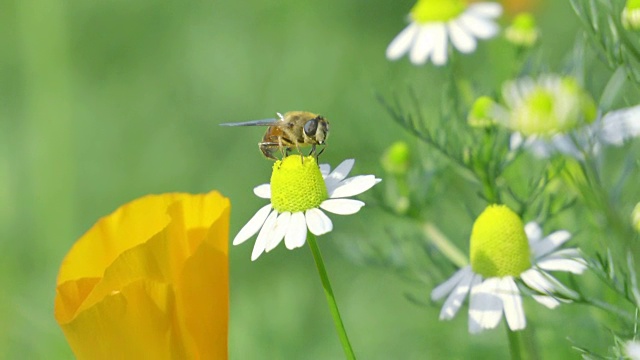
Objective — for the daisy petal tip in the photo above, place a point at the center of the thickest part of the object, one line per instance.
(263, 191)
(255, 256)
(239, 240)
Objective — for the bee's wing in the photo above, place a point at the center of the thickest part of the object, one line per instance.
(263, 122)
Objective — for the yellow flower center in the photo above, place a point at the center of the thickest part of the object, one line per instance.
(426, 11)
(297, 184)
(633, 4)
(499, 245)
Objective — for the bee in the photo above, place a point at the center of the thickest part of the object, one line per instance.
(293, 129)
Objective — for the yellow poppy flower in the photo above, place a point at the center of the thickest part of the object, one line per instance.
(150, 281)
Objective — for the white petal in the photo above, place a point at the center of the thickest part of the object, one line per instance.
(297, 233)
(424, 43)
(456, 297)
(557, 264)
(516, 141)
(564, 144)
(402, 42)
(570, 253)
(533, 231)
(478, 26)
(535, 281)
(617, 126)
(279, 230)
(485, 308)
(545, 284)
(340, 173)
(460, 38)
(263, 191)
(353, 186)
(550, 243)
(318, 222)
(512, 304)
(252, 227)
(486, 9)
(342, 206)
(325, 169)
(547, 301)
(445, 288)
(263, 236)
(540, 148)
(439, 56)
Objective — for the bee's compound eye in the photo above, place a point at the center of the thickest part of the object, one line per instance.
(310, 127)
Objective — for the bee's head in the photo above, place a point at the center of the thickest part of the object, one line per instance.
(317, 129)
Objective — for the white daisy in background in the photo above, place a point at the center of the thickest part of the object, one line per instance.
(632, 349)
(631, 15)
(502, 251)
(554, 114)
(433, 23)
(298, 191)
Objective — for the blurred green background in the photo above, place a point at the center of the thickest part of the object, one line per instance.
(103, 102)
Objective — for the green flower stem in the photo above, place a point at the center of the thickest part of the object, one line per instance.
(446, 247)
(328, 292)
(515, 348)
(521, 344)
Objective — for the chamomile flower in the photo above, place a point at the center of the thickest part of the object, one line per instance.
(299, 191)
(547, 105)
(504, 250)
(433, 23)
(554, 114)
(631, 15)
(632, 349)
(612, 128)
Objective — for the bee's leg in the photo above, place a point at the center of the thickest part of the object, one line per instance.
(283, 150)
(313, 149)
(320, 152)
(267, 149)
(300, 152)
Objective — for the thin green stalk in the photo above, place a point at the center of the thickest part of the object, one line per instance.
(328, 292)
(521, 344)
(446, 247)
(515, 348)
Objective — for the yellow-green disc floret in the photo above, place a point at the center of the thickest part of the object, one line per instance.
(426, 11)
(499, 245)
(297, 184)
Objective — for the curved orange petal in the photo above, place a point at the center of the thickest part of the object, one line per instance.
(157, 241)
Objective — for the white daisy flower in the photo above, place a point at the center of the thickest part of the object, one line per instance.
(432, 23)
(614, 128)
(502, 251)
(547, 105)
(632, 349)
(631, 15)
(554, 114)
(299, 191)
